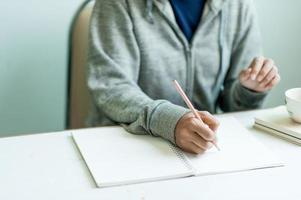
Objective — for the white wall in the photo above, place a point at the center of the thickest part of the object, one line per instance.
(33, 64)
(280, 23)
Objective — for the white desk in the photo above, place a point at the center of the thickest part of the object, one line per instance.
(48, 166)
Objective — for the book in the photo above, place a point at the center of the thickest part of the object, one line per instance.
(278, 122)
(116, 157)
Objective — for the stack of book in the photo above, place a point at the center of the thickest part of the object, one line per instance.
(278, 122)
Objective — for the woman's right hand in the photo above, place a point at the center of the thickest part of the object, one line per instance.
(194, 135)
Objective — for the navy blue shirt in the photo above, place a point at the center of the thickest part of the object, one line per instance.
(188, 14)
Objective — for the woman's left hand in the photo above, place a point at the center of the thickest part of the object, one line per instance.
(261, 76)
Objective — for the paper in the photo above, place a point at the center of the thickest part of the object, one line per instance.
(116, 157)
(239, 151)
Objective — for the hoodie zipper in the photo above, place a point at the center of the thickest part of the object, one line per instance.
(188, 54)
(189, 71)
(188, 47)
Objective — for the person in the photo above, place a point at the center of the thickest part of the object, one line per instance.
(212, 48)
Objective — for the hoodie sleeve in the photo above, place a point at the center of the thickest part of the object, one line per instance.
(113, 70)
(246, 47)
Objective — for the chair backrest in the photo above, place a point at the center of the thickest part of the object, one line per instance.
(79, 99)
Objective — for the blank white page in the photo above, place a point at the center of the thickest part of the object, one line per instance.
(239, 151)
(116, 157)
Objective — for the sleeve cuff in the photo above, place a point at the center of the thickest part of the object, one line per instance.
(246, 96)
(165, 118)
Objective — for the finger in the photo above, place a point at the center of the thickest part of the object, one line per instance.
(199, 141)
(267, 67)
(256, 66)
(274, 81)
(210, 120)
(245, 74)
(192, 148)
(202, 129)
(269, 77)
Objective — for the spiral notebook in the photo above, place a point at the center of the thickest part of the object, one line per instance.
(116, 157)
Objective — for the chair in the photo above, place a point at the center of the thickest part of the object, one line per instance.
(79, 97)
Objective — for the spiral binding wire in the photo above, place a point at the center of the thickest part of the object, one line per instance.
(181, 156)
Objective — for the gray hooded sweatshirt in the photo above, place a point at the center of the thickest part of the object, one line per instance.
(137, 49)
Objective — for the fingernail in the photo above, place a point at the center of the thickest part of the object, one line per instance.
(253, 76)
